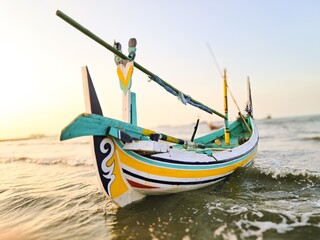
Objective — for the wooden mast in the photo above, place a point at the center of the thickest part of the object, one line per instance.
(226, 122)
(125, 70)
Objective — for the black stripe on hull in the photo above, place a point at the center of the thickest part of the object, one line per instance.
(173, 182)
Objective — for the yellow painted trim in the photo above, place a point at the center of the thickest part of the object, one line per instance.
(118, 186)
(177, 173)
(227, 137)
(125, 80)
(147, 132)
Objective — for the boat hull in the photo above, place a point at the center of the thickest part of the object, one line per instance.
(179, 170)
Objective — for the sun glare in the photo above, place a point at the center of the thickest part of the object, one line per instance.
(16, 92)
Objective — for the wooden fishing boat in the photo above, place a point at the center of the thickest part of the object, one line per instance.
(133, 162)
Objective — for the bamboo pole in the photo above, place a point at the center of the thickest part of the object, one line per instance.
(226, 122)
(121, 55)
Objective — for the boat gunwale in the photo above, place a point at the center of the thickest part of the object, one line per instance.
(160, 159)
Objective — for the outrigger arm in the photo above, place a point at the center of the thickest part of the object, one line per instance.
(152, 76)
(97, 125)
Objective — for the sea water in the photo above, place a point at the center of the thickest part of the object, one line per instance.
(49, 190)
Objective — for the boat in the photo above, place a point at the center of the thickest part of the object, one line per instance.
(213, 126)
(133, 162)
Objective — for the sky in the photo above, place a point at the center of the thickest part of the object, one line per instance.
(275, 42)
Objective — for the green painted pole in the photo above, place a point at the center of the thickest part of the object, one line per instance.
(115, 51)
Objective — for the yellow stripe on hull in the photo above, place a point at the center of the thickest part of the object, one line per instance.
(179, 173)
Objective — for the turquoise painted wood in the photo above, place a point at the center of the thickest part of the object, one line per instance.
(134, 116)
(97, 125)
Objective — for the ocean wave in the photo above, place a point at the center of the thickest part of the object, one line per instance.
(254, 183)
(31, 137)
(285, 175)
(260, 219)
(74, 162)
(257, 229)
(315, 138)
(262, 203)
(64, 202)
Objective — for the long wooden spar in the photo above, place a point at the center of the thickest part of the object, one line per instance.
(151, 75)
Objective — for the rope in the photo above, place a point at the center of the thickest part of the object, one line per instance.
(241, 115)
(184, 100)
(215, 60)
(183, 97)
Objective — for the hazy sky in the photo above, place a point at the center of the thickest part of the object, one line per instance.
(275, 42)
